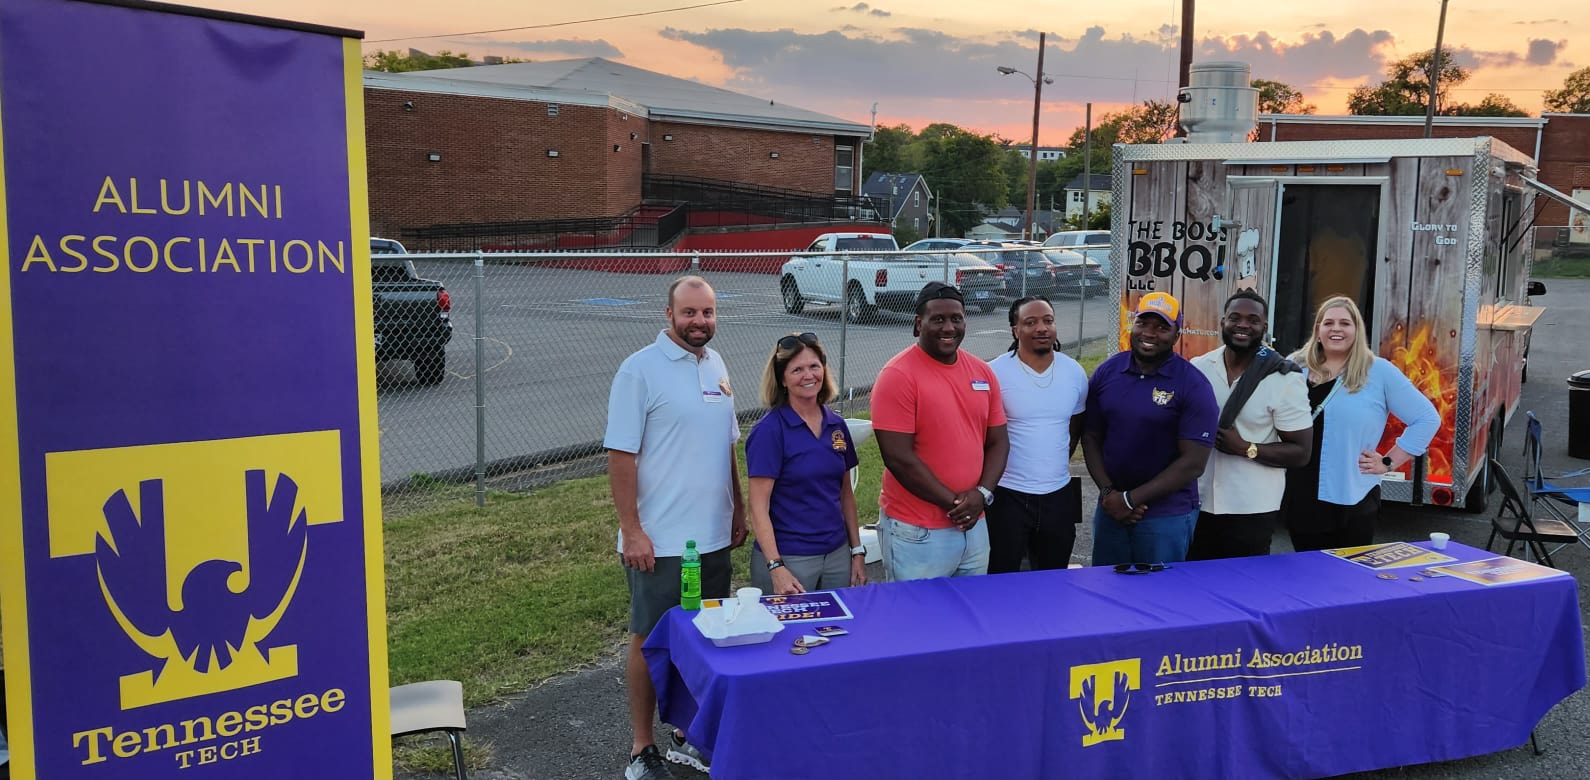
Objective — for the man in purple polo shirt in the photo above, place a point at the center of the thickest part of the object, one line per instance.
(1151, 419)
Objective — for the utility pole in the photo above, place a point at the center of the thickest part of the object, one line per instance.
(1187, 44)
(1032, 161)
(1435, 74)
(1087, 168)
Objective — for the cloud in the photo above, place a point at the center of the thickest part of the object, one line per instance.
(919, 64)
(1542, 21)
(1541, 52)
(915, 73)
(860, 8)
(1544, 52)
(574, 47)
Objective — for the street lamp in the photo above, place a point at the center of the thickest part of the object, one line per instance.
(1032, 156)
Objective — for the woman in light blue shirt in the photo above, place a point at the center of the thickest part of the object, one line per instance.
(1335, 499)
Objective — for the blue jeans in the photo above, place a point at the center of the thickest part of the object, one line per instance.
(911, 552)
(1152, 540)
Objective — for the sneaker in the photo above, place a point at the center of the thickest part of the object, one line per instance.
(647, 766)
(682, 752)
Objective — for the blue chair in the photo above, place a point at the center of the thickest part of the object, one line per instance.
(1563, 502)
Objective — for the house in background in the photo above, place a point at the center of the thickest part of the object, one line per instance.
(1011, 222)
(1045, 153)
(1097, 193)
(903, 199)
(502, 154)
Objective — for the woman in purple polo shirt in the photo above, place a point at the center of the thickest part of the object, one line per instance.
(803, 512)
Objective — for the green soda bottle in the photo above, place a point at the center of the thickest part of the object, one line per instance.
(690, 578)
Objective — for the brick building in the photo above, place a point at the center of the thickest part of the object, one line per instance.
(576, 139)
(1559, 144)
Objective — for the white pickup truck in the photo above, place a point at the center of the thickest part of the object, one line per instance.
(874, 281)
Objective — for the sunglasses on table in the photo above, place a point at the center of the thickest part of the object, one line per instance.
(1139, 568)
(791, 342)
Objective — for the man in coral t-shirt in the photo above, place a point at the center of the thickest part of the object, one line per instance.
(940, 425)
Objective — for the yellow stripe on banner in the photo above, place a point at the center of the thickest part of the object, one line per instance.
(13, 575)
(369, 434)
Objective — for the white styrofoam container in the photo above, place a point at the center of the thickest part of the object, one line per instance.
(754, 625)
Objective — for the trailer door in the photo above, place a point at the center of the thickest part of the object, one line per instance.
(1256, 210)
(1326, 245)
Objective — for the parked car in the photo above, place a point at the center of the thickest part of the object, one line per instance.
(1025, 264)
(980, 282)
(412, 315)
(1075, 274)
(879, 276)
(1070, 238)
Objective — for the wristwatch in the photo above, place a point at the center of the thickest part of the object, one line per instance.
(859, 549)
(1385, 460)
(775, 564)
(1253, 450)
(988, 495)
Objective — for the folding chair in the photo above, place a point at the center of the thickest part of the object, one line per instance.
(1513, 522)
(1561, 501)
(434, 705)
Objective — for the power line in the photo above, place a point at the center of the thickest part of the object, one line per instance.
(557, 24)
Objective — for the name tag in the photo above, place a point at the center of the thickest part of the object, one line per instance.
(978, 384)
(712, 396)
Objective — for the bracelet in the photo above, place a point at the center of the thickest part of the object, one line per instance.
(1126, 495)
(776, 563)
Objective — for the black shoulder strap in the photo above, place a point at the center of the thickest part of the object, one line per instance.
(1266, 362)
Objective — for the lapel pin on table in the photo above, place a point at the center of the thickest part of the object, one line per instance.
(800, 650)
(1386, 575)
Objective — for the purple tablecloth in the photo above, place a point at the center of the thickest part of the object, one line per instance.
(1280, 666)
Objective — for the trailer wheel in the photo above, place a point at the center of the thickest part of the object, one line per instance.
(1479, 493)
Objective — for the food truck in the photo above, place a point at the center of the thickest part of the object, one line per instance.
(1431, 237)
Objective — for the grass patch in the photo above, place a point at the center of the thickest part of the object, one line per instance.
(431, 753)
(1561, 268)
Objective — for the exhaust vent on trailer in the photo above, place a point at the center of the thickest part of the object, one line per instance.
(1218, 105)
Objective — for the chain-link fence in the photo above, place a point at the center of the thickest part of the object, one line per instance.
(1563, 250)
(521, 384)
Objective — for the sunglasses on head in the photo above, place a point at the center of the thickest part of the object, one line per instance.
(1139, 568)
(791, 342)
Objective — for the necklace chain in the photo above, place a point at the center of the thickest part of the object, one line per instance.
(1034, 376)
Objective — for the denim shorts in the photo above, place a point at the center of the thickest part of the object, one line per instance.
(911, 552)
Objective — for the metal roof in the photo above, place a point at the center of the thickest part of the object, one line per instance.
(1290, 152)
(1444, 121)
(666, 98)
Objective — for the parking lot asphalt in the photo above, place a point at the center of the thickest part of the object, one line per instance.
(576, 725)
(554, 337)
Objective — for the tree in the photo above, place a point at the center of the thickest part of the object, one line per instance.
(1406, 90)
(1574, 97)
(1098, 220)
(398, 62)
(904, 233)
(1492, 105)
(1151, 122)
(966, 173)
(1276, 97)
(889, 151)
(1015, 167)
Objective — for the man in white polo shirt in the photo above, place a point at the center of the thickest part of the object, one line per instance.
(1265, 427)
(670, 440)
(1037, 504)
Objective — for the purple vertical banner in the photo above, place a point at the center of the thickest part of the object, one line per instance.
(190, 550)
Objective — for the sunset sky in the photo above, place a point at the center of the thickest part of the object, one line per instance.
(933, 60)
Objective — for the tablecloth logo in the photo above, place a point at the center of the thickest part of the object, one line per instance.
(1103, 692)
(197, 557)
